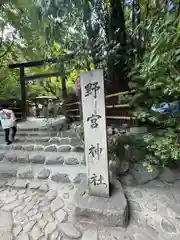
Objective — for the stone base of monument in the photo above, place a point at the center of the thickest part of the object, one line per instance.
(112, 211)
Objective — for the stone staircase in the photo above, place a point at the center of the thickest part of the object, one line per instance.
(43, 154)
(39, 175)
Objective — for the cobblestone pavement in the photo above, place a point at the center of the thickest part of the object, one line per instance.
(44, 211)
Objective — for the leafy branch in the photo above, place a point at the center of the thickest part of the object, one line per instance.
(7, 50)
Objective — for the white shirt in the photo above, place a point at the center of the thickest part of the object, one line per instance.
(40, 106)
(7, 118)
(50, 105)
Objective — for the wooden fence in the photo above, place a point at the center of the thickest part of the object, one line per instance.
(117, 113)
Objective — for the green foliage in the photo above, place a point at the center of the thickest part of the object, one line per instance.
(129, 148)
(162, 148)
(9, 87)
(34, 91)
(40, 34)
(81, 132)
(156, 80)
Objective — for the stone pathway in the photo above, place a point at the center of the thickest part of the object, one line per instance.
(37, 195)
(155, 209)
(37, 212)
(44, 211)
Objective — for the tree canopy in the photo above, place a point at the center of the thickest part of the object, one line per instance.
(108, 34)
(36, 34)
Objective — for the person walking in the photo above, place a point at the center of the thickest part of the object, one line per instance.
(54, 108)
(8, 122)
(50, 108)
(45, 109)
(38, 110)
(34, 110)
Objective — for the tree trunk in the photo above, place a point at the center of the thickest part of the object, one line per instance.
(117, 35)
(92, 31)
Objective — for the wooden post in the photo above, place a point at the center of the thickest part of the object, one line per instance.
(64, 90)
(95, 135)
(23, 92)
(80, 105)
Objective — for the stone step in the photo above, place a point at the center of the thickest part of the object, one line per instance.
(62, 133)
(30, 185)
(50, 140)
(34, 133)
(43, 133)
(44, 147)
(55, 173)
(42, 129)
(20, 129)
(46, 158)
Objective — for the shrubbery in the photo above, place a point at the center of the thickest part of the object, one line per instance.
(156, 79)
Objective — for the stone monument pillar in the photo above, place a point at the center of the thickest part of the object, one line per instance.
(94, 120)
(98, 199)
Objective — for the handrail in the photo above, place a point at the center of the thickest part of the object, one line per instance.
(112, 117)
(120, 117)
(70, 104)
(108, 96)
(118, 106)
(108, 106)
(119, 93)
(72, 110)
(75, 116)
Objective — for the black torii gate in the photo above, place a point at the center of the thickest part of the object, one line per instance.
(24, 78)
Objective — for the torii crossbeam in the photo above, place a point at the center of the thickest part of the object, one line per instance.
(24, 78)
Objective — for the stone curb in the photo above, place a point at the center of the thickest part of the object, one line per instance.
(25, 174)
(35, 182)
(39, 158)
(66, 146)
